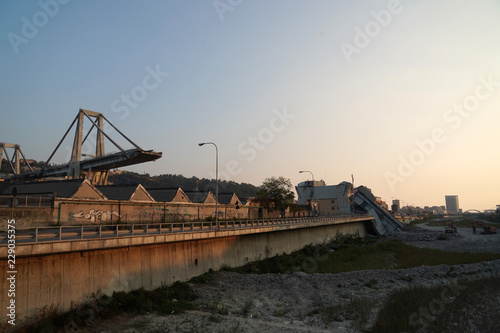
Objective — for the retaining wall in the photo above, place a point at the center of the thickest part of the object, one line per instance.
(71, 275)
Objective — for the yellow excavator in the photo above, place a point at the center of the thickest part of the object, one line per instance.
(450, 228)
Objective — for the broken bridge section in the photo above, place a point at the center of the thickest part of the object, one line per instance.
(95, 168)
(384, 223)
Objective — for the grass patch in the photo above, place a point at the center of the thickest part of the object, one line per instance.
(345, 254)
(218, 308)
(164, 300)
(463, 306)
(281, 310)
(203, 278)
(46, 320)
(358, 310)
(176, 298)
(407, 256)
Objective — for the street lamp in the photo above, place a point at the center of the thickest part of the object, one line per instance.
(216, 181)
(309, 172)
(312, 192)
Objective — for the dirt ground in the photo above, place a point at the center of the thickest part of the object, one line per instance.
(289, 302)
(464, 241)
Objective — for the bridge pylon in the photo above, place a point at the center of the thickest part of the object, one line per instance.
(15, 162)
(74, 170)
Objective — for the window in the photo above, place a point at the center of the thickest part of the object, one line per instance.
(335, 205)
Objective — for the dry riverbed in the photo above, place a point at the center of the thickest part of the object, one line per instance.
(235, 302)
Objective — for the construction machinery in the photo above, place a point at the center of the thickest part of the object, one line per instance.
(486, 228)
(450, 228)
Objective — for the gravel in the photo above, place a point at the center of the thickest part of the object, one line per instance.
(463, 241)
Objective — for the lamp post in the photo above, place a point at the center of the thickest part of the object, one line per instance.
(312, 191)
(216, 181)
(312, 176)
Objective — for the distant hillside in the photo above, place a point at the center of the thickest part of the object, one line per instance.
(243, 190)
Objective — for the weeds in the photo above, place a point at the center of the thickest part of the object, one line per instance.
(164, 300)
(44, 321)
(441, 309)
(358, 310)
(371, 284)
(218, 308)
(345, 254)
(204, 278)
(215, 318)
(281, 310)
(246, 309)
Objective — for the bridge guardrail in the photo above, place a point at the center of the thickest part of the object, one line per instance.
(63, 233)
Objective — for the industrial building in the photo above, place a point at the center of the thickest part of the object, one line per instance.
(79, 202)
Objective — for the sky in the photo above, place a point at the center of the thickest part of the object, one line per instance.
(402, 95)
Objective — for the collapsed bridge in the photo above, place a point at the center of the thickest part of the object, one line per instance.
(96, 168)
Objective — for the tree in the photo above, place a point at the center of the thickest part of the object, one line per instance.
(277, 191)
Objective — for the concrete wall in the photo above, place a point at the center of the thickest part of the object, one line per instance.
(78, 212)
(27, 217)
(75, 276)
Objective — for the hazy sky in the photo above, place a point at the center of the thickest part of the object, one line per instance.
(404, 95)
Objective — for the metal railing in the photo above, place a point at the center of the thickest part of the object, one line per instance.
(21, 201)
(65, 233)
